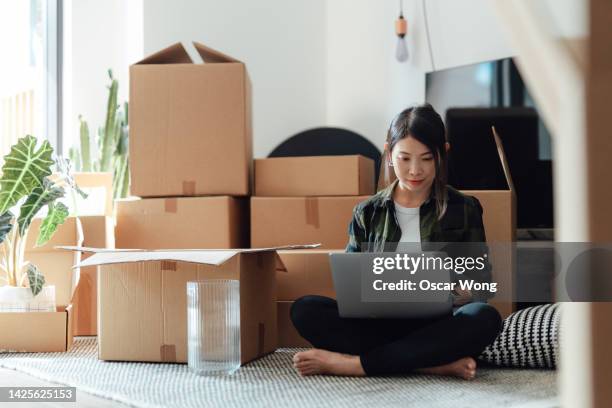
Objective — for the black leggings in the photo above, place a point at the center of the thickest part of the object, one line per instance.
(397, 346)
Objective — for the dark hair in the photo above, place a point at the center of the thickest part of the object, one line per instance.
(424, 124)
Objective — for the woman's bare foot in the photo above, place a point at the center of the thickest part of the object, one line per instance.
(464, 368)
(317, 361)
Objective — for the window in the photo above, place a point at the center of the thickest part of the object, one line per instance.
(31, 71)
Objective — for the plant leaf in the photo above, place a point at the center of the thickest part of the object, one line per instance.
(37, 199)
(36, 279)
(64, 166)
(56, 216)
(24, 169)
(5, 225)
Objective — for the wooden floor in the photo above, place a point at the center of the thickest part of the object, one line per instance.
(11, 378)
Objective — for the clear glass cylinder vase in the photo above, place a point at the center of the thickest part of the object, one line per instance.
(213, 326)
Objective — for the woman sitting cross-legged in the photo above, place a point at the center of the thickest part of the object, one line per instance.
(417, 207)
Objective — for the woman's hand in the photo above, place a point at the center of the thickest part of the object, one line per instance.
(463, 296)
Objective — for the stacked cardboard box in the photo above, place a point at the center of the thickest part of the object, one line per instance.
(306, 199)
(190, 159)
(190, 152)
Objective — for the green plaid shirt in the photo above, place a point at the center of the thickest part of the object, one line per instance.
(374, 227)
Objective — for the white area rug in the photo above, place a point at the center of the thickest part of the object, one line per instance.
(272, 382)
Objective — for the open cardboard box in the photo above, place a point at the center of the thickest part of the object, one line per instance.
(142, 299)
(46, 331)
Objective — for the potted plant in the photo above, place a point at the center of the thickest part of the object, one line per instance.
(28, 187)
(110, 148)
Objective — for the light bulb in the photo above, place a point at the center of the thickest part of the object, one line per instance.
(401, 50)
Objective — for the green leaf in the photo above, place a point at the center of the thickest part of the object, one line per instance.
(5, 225)
(85, 145)
(109, 139)
(37, 199)
(63, 167)
(24, 169)
(56, 216)
(36, 279)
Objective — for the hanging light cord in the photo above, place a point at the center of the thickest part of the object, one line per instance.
(433, 66)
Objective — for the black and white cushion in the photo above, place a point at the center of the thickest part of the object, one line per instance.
(529, 339)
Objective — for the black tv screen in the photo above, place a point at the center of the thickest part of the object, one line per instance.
(474, 162)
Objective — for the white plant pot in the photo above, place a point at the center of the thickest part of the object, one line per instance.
(18, 299)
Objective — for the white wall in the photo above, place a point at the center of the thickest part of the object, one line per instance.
(366, 85)
(282, 43)
(311, 62)
(98, 35)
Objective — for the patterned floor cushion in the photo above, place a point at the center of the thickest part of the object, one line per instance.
(529, 339)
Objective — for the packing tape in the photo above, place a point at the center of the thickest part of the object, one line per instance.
(312, 211)
(170, 205)
(261, 336)
(167, 353)
(189, 188)
(168, 266)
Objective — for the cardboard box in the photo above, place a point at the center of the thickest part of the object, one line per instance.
(314, 176)
(304, 272)
(499, 218)
(288, 220)
(46, 331)
(287, 334)
(183, 222)
(143, 302)
(99, 189)
(98, 232)
(190, 124)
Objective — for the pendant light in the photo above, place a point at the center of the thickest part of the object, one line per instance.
(401, 28)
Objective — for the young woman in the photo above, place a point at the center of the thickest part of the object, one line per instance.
(417, 207)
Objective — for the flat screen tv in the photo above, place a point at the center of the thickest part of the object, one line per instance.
(471, 99)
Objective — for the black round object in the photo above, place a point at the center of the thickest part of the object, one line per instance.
(328, 141)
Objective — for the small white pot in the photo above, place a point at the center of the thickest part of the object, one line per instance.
(18, 299)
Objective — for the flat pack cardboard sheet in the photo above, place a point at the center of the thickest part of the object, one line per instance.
(47, 331)
(288, 336)
(288, 220)
(305, 272)
(314, 176)
(190, 124)
(143, 302)
(182, 222)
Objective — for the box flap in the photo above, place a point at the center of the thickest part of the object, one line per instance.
(104, 256)
(502, 158)
(173, 54)
(212, 56)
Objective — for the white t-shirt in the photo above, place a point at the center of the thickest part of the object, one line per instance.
(409, 223)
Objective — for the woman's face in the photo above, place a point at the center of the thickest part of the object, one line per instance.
(413, 164)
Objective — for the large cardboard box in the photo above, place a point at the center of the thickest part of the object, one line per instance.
(182, 222)
(98, 232)
(288, 336)
(314, 176)
(304, 272)
(190, 124)
(143, 301)
(46, 331)
(288, 220)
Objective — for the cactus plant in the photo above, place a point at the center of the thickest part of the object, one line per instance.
(111, 142)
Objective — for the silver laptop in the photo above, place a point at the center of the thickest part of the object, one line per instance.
(347, 276)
